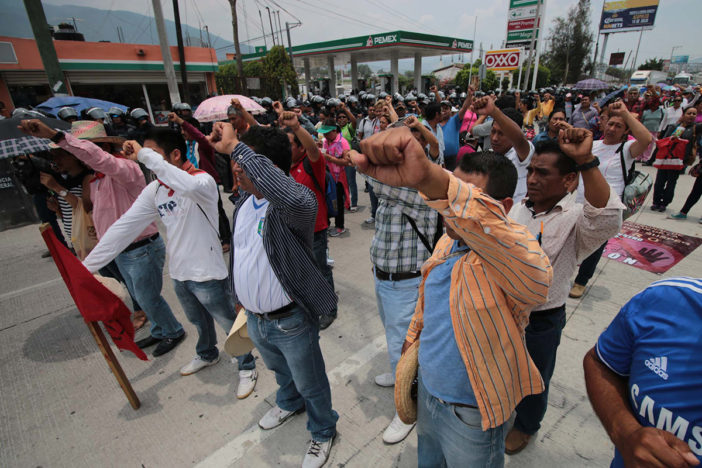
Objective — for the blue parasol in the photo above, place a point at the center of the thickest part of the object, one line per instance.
(53, 104)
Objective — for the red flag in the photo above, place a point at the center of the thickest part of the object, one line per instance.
(94, 301)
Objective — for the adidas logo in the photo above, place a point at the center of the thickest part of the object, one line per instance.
(659, 366)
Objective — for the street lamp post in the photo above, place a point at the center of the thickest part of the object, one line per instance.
(672, 51)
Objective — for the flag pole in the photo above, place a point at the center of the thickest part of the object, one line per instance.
(114, 364)
(108, 354)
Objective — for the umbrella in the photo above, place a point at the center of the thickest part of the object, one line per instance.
(215, 108)
(591, 85)
(13, 142)
(53, 104)
(601, 102)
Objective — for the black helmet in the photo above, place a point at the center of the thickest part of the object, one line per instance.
(382, 95)
(267, 102)
(422, 97)
(333, 102)
(369, 97)
(179, 106)
(291, 103)
(397, 97)
(410, 97)
(64, 113)
(353, 100)
(318, 99)
(138, 114)
(115, 112)
(96, 113)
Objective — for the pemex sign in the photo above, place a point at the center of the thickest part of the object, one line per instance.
(502, 60)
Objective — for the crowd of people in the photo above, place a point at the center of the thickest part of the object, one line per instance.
(483, 207)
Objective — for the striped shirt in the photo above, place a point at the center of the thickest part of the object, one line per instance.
(493, 289)
(287, 233)
(67, 210)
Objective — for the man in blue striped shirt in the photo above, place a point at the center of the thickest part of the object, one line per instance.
(276, 279)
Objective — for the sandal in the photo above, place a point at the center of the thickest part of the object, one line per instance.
(138, 319)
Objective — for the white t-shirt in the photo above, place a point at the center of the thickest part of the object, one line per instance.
(257, 287)
(521, 190)
(610, 166)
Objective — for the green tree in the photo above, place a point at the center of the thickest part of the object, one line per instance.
(569, 44)
(505, 83)
(652, 64)
(278, 67)
(364, 71)
(491, 81)
(543, 78)
(463, 75)
(619, 73)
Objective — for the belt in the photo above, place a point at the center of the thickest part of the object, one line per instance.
(285, 311)
(547, 312)
(404, 275)
(460, 405)
(141, 243)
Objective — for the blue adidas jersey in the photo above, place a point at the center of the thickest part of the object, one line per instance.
(656, 342)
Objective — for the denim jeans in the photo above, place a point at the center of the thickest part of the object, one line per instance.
(373, 200)
(290, 348)
(452, 436)
(396, 303)
(48, 216)
(111, 270)
(203, 303)
(353, 187)
(543, 335)
(589, 265)
(319, 249)
(142, 269)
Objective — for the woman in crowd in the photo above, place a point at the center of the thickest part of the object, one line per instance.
(557, 116)
(651, 118)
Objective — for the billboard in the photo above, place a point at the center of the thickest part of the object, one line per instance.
(617, 58)
(521, 20)
(627, 15)
(680, 59)
(502, 60)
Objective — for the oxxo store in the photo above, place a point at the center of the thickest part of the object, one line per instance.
(129, 74)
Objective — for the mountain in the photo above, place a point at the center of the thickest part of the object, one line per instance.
(101, 25)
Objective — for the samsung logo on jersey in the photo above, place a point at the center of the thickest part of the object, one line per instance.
(657, 369)
(668, 421)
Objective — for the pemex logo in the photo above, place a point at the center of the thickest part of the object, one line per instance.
(455, 44)
(369, 42)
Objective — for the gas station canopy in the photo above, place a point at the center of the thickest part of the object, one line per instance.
(391, 46)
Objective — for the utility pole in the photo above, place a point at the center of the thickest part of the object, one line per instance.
(45, 44)
(263, 29)
(280, 29)
(531, 42)
(633, 65)
(470, 72)
(237, 47)
(181, 51)
(173, 92)
(287, 28)
(271, 23)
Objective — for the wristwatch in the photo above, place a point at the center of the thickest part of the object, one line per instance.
(63, 193)
(58, 137)
(588, 165)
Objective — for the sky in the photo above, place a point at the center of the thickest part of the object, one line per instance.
(676, 21)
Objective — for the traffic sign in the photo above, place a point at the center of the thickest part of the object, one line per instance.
(521, 13)
(521, 24)
(502, 60)
(520, 36)
(522, 3)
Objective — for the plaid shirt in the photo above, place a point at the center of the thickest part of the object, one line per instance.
(395, 247)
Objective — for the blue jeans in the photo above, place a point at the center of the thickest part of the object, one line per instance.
(452, 436)
(396, 303)
(142, 269)
(353, 187)
(373, 200)
(543, 335)
(111, 270)
(290, 348)
(203, 303)
(319, 249)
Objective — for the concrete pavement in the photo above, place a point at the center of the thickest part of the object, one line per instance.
(60, 406)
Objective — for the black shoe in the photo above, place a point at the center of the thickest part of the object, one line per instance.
(167, 344)
(46, 254)
(148, 341)
(325, 321)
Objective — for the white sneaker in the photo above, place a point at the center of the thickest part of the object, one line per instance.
(275, 417)
(197, 364)
(370, 220)
(247, 383)
(317, 453)
(330, 262)
(385, 380)
(396, 431)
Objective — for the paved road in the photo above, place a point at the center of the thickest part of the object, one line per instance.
(60, 406)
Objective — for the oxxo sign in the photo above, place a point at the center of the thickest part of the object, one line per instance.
(502, 60)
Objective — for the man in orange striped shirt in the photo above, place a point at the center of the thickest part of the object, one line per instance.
(478, 287)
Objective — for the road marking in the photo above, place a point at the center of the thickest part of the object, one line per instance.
(234, 450)
(18, 292)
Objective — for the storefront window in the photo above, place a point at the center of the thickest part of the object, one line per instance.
(29, 96)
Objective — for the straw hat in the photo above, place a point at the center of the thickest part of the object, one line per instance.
(238, 342)
(406, 384)
(92, 131)
(114, 286)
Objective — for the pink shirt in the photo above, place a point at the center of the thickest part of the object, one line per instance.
(469, 119)
(336, 149)
(113, 194)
